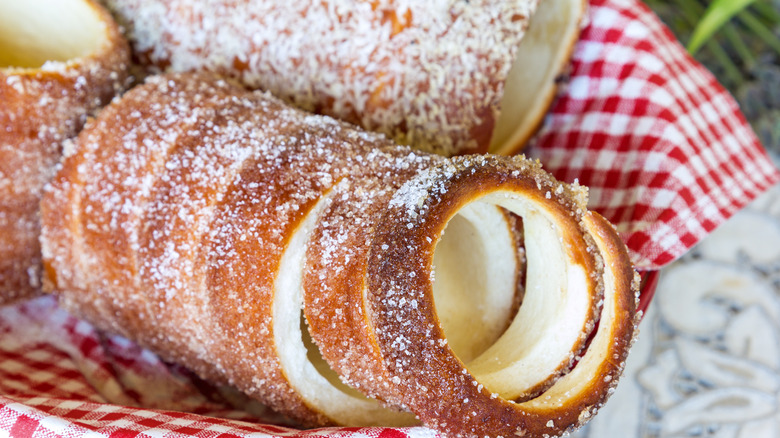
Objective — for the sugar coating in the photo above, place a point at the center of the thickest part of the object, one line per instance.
(40, 108)
(185, 192)
(429, 74)
(173, 208)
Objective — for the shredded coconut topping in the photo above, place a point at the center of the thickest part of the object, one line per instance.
(429, 74)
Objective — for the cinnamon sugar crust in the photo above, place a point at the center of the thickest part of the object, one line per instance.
(179, 212)
(172, 210)
(51, 81)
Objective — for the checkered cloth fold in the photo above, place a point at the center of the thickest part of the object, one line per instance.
(662, 146)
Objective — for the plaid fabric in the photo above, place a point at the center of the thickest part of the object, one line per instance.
(60, 377)
(663, 147)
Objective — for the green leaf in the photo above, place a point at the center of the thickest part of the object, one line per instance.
(718, 13)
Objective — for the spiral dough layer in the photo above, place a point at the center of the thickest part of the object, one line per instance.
(333, 275)
(59, 62)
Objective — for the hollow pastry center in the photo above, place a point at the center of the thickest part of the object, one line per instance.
(530, 86)
(478, 273)
(475, 270)
(33, 32)
(474, 277)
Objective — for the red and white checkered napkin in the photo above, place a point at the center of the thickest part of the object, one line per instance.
(60, 377)
(662, 146)
(664, 149)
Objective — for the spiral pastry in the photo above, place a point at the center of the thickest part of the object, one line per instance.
(59, 61)
(335, 276)
(435, 75)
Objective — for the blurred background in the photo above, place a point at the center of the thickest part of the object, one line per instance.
(739, 41)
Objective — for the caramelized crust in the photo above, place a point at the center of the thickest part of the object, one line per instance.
(169, 217)
(41, 105)
(221, 228)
